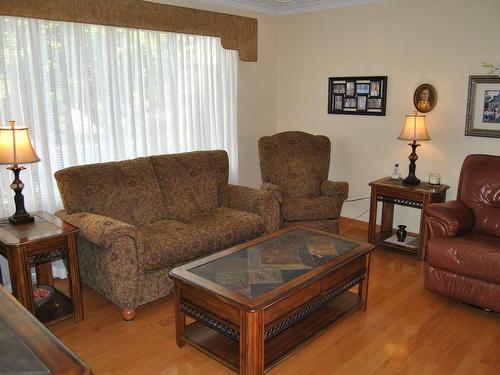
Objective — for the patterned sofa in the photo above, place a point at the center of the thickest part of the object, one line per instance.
(139, 218)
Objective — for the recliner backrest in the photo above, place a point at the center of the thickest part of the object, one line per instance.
(295, 161)
(479, 189)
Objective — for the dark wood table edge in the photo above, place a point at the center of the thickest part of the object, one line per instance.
(45, 342)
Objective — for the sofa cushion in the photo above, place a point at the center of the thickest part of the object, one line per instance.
(474, 254)
(191, 183)
(126, 190)
(226, 227)
(312, 208)
(168, 243)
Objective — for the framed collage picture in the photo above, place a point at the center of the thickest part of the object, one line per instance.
(357, 95)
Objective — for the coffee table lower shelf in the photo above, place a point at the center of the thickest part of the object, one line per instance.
(279, 347)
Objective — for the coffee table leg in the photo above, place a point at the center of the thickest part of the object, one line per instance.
(180, 317)
(363, 285)
(251, 342)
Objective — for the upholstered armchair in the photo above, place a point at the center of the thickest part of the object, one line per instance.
(294, 165)
(463, 251)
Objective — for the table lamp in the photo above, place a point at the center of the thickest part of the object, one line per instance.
(414, 129)
(15, 149)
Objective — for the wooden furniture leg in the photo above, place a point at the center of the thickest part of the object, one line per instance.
(387, 217)
(20, 277)
(74, 279)
(372, 224)
(363, 285)
(128, 314)
(180, 317)
(251, 342)
(44, 274)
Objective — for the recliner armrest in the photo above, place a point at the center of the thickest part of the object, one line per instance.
(339, 190)
(260, 202)
(449, 219)
(100, 230)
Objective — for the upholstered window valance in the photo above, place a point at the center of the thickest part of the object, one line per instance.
(236, 32)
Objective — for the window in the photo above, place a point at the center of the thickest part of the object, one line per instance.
(92, 93)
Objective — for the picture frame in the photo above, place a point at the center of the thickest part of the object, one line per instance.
(425, 98)
(357, 95)
(482, 118)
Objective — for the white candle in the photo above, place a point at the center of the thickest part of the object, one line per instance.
(435, 179)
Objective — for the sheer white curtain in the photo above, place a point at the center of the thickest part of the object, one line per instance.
(94, 93)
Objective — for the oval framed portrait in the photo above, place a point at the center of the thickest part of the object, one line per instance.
(425, 98)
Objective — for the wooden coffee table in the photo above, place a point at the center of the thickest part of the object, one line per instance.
(255, 304)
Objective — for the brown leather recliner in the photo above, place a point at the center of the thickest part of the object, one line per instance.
(463, 251)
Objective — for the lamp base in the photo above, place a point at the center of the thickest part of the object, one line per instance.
(21, 219)
(411, 180)
(20, 216)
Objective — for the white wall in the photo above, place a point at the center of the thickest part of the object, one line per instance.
(256, 90)
(440, 42)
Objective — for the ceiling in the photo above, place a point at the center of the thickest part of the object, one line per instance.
(281, 7)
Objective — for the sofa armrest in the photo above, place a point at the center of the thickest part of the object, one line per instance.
(262, 203)
(274, 189)
(449, 219)
(100, 230)
(339, 190)
(110, 257)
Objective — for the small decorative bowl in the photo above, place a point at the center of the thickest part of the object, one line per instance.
(42, 293)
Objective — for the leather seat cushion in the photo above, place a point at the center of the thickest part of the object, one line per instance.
(310, 208)
(169, 242)
(226, 227)
(474, 254)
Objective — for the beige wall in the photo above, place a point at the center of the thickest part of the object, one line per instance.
(256, 91)
(440, 42)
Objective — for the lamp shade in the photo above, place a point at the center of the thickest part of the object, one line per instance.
(414, 128)
(15, 146)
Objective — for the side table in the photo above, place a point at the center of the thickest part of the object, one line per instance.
(391, 192)
(36, 245)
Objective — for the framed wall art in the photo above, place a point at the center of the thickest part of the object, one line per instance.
(483, 107)
(425, 98)
(357, 95)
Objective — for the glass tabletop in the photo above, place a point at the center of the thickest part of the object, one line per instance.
(257, 269)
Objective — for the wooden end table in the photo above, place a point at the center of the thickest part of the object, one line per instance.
(36, 245)
(391, 192)
(257, 303)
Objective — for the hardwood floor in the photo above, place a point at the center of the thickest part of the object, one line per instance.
(406, 330)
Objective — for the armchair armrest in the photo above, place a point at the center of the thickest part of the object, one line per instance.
(262, 203)
(449, 219)
(339, 190)
(100, 230)
(274, 189)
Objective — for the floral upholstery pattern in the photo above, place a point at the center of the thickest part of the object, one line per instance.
(294, 167)
(140, 218)
(312, 208)
(171, 242)
(112, 189)
(262, 203)
(226, 227)
(295, 161)
(187, 186)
